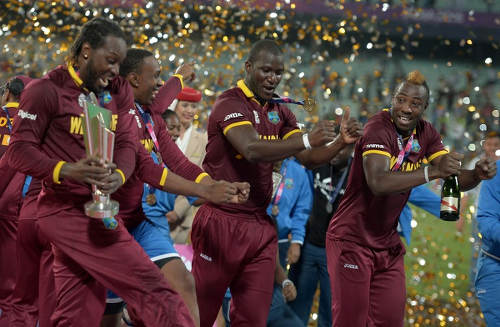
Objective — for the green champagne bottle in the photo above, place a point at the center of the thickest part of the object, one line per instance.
(450, 199)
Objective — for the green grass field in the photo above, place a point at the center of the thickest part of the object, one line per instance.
(438, 262)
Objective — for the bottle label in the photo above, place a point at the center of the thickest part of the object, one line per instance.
(449, 204)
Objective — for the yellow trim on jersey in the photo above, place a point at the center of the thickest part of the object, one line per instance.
(119, 171)
(181, 79)
(377, 152)
(163, 177)
(437, 154)
(78, 81)
(241, 84)
(239, 123)
(385, 109)
(57, 171)
(287, 135)
(12, 104)
(200, 177)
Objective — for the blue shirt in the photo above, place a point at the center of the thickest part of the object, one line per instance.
(488, 214)
(421, 197)
(295, 203)
(164, 203)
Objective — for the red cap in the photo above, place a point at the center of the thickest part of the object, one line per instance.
(189, 94)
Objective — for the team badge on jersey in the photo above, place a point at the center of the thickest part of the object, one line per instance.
(106, 97)
(415, 146)
(273, 117)
(289, 183)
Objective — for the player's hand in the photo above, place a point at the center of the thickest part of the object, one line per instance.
(293, 254)
(172, 217)
(289, 291)
(111, 183)
(187, 72)
(485, 168)
(243, 192)
(450, 164)
(88, 170)
(220, 192)
(350, 128)
(322, 133)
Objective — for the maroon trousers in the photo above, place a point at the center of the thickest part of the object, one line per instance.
(368, 286)
(34, 272)
(88, 258)
(8, 231)
(235, 251)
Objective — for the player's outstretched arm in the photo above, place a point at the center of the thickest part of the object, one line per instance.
(350, 131)
(246, 141)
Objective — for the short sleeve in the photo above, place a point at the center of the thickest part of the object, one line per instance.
(230, 112)
(290, 126)
(377, 138)
(434, 145)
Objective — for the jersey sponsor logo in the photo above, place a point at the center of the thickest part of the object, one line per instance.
(273, 117)
(26, 115)
(351, 266)
(206, 257)
(374, 146)
(289, 183)
(268, 137)
(256, 115)
(76, 124)
(232, 116)
(3, 121)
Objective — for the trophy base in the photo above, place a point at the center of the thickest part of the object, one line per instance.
(101, 210)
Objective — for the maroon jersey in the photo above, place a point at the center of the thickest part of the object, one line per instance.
(170, 153)
(372, 220)
(236, 107)
(48, 131)
(130, 194)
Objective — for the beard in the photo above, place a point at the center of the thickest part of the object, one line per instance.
(91, 78)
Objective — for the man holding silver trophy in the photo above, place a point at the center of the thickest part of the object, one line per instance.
(48, 144)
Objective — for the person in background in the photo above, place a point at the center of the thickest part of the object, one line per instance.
(11, 190)
(192, 143)
(327, 184)
(487, 281)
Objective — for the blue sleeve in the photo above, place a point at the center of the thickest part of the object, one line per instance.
(405, 223)
(302, 208)
(424, 198)
(488, 211)
(191, 199)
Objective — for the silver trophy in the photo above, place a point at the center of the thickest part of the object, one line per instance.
(99, 142)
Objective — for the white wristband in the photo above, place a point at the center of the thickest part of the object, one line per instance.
(286, 282)
(305, 139)
(426, 174)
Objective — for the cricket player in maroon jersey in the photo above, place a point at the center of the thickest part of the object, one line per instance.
(235, 245)
(47, 144)
(11, 190)
(364, 250)
(142, 71)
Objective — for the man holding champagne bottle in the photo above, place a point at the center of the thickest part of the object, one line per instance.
(364, 250)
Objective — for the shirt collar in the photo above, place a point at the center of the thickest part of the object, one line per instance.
(12, 105)
(76, 78)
